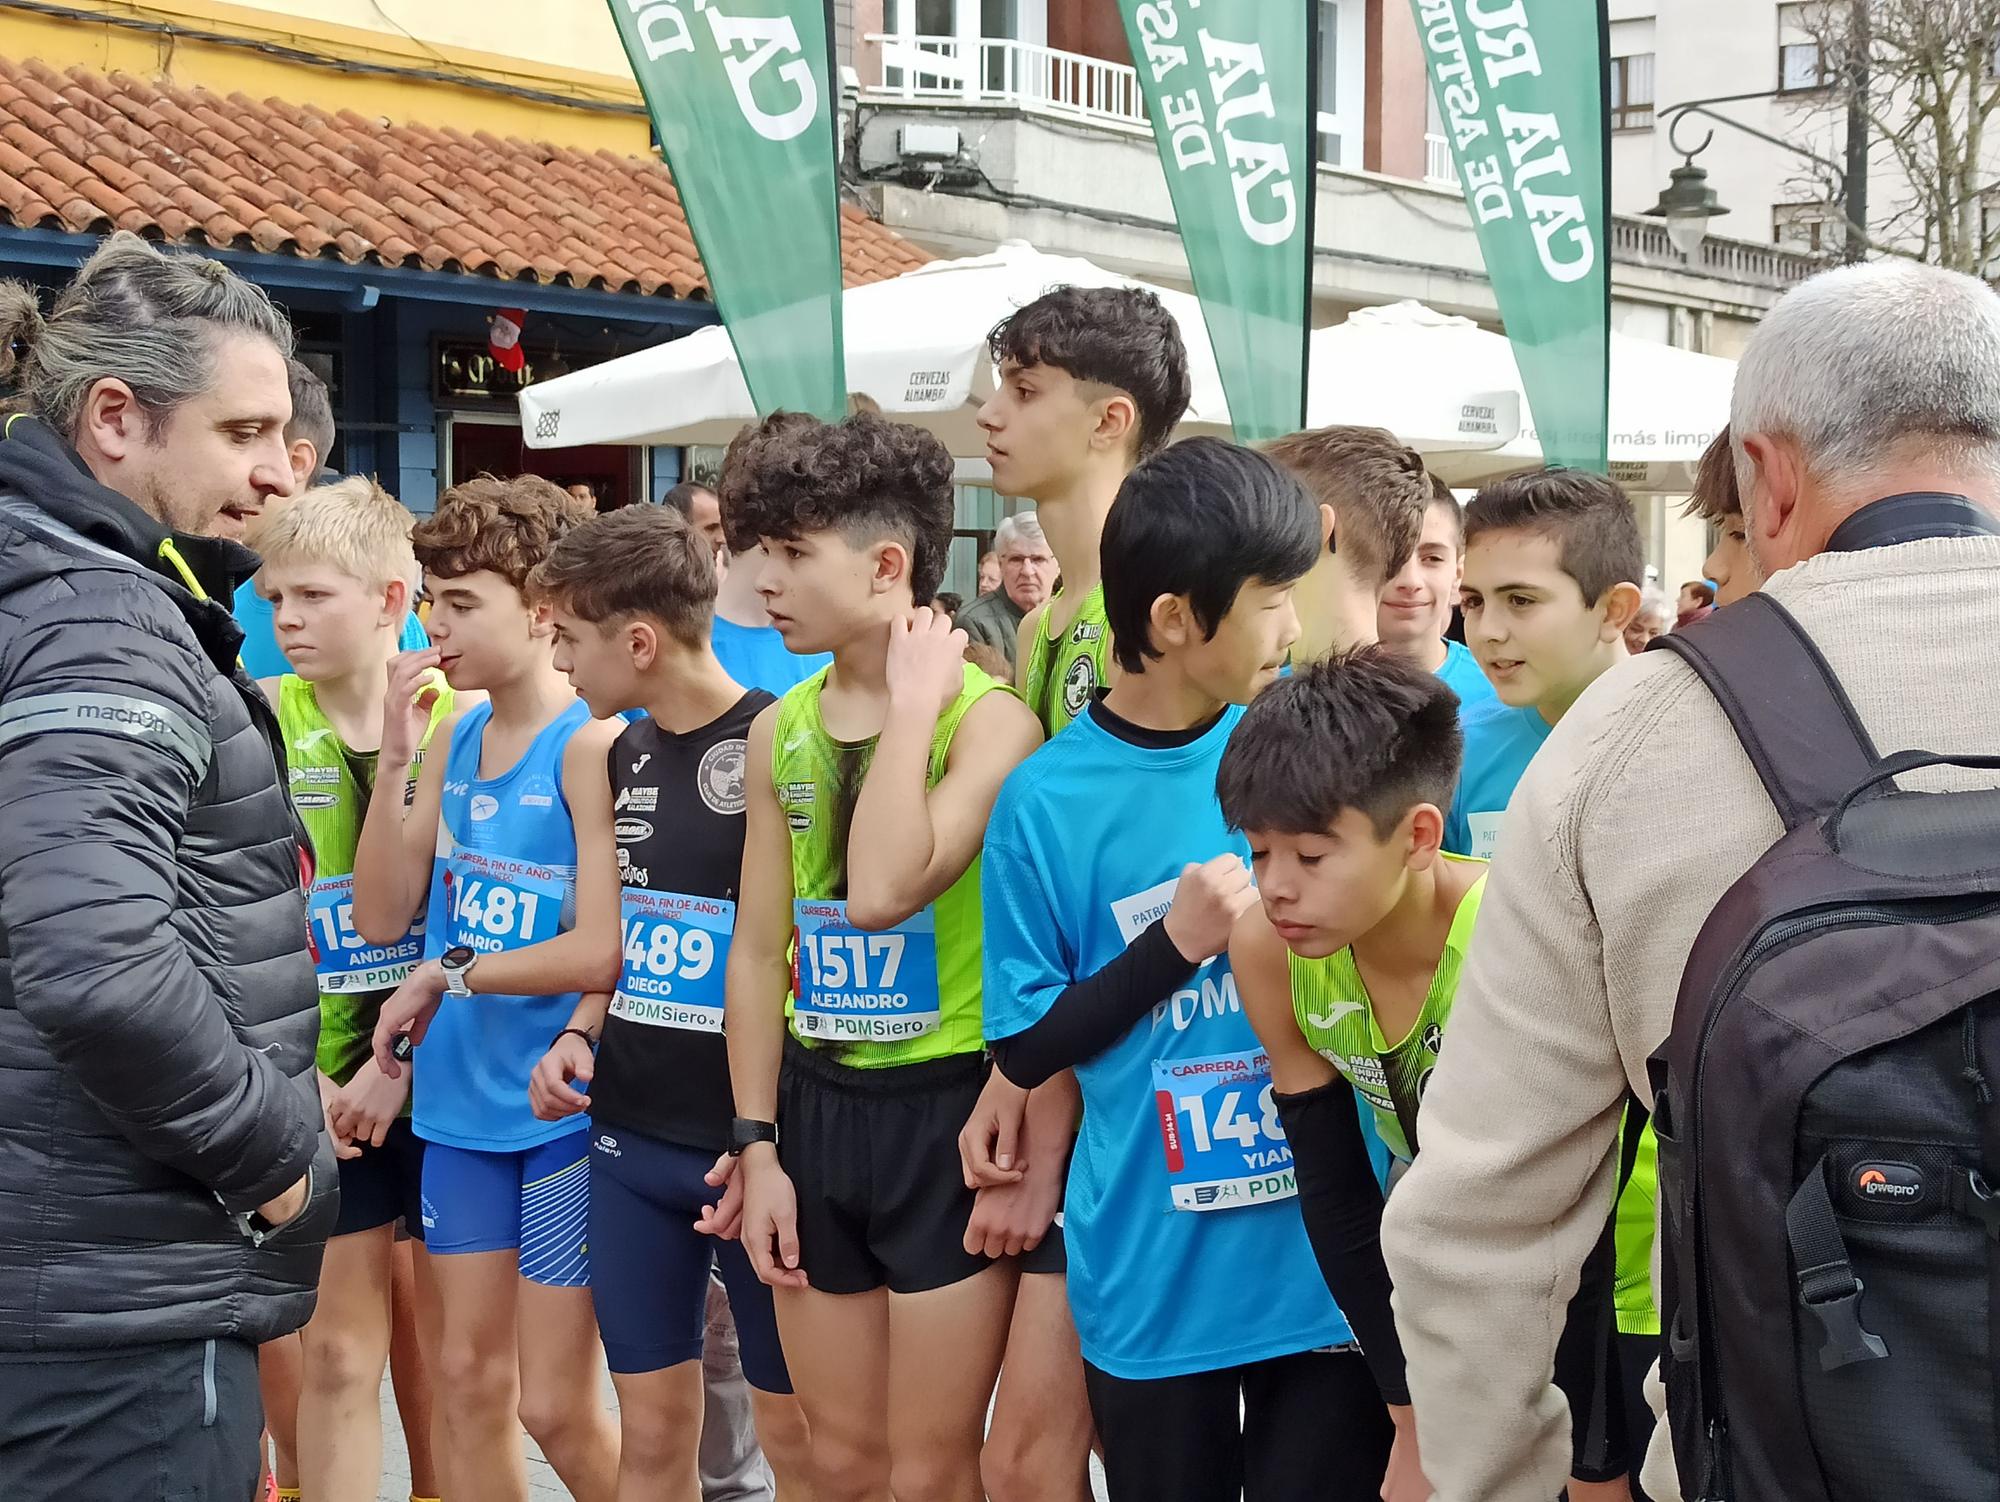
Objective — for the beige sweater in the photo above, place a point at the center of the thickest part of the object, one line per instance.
(1638, 813)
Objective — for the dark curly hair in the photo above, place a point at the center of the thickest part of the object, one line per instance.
(866, 477)
(507, 526)
(1366, 729)
(1121, 337)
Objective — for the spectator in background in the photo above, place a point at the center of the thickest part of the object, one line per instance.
(989, 572)
(1027, 579)
(1655, 618)
(949, 602)
(1696, 603)
(1717, 502)
(704, 512)
(308, 443)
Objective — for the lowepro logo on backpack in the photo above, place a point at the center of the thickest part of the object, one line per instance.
(1890, 1183)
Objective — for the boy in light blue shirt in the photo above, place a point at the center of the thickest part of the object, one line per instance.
(1553, 562)
(1110, 886)
(1416, 603)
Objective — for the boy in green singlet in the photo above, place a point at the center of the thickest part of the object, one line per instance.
(338, 571)
(1347, 968)
(853, 1011)
(1092, 380)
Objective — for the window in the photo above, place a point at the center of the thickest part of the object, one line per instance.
(1814, 228)
(1342, 81)
(1632, 92)
(1801, 62)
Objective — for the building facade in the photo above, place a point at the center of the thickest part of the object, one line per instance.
(394, 187)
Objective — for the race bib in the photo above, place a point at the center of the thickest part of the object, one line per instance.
(1219, 1127)
(1485, 830)
(676, 950)
(346, 961)
(492, 903)
(852, 986)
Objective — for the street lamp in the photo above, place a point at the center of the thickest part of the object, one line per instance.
(1687, 203)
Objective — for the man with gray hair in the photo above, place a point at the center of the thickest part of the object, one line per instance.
(1027, 579)
(166, 1185)
(1866, 425)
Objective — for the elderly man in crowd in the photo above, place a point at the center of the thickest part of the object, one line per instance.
(1866, 430)
(1027, 579)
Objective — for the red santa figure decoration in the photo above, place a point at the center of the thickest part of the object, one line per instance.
(503, 338)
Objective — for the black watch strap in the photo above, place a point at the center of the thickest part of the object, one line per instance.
(746, 1131)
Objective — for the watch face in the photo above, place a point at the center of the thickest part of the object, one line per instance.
(457, 957)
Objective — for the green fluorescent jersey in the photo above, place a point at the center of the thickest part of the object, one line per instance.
(818, 780)
(330, 785)
(1331, 1004)
(1062, 675)
(1633, 1237)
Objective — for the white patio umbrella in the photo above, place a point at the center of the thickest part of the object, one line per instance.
(1666, 403)
(916, 344)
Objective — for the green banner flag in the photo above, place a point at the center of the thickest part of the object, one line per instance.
(1520, 84)
(1228, 88)
(740, 97)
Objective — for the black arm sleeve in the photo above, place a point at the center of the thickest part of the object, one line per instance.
(1342, 1206)
(1092, 1014)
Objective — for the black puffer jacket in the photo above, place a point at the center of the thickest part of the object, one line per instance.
(158, 1011)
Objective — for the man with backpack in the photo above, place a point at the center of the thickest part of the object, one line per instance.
(1827, 1143)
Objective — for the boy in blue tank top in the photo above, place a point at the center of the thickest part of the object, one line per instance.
(508, 842)
(1216, 1363)
(1416, 603)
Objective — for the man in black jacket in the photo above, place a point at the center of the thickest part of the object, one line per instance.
(165, 1186)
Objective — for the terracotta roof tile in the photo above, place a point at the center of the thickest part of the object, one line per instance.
(88, 150)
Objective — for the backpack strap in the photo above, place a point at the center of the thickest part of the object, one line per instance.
(1828, 1289)
(1791, 714)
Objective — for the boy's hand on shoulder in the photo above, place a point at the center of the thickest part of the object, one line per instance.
(1207, 902)
(926, 662)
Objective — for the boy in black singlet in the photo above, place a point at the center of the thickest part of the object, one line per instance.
(631, 595)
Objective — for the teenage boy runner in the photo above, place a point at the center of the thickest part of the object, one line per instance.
(1553, 571)
(629, 596)
(337, 575)
(1416, 605)
(868, 790)
(1348, 967)
(509, 842)
(1111, 886)
(745, 642)
(1553, 564)
(1092, 380)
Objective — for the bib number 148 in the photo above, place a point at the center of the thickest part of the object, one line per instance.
(1230, 1123)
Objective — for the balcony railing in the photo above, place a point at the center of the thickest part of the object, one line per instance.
(1437, 162)
(996, 71)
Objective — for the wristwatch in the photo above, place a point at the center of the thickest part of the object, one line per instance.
(454, 962)
(745, 1131)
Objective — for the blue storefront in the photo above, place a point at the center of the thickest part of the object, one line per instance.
(418, 400)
